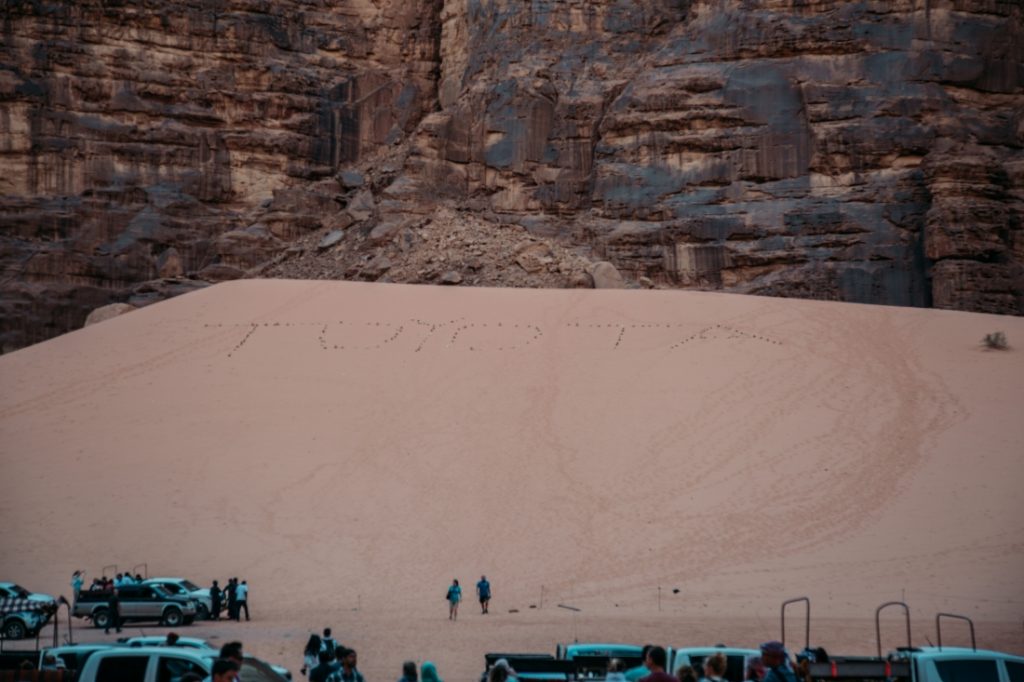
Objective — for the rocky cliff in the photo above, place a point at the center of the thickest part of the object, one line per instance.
(857, 150)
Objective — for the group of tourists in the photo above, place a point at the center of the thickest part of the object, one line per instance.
(236, 596)
(773, 665)
(454, 596)
(325, 660)
(103, 583)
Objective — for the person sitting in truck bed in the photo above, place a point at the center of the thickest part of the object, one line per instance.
(656, 661)
(776, 660)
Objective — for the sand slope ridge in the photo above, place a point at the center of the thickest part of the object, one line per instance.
(349, 448)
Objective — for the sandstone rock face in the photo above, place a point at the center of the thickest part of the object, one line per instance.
(847, 149)
(130, 129)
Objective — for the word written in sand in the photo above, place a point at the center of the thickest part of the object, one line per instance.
(416, 335)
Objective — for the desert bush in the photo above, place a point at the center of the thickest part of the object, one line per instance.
(996, 341)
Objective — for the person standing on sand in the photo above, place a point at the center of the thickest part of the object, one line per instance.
(242, 595)
(454, 597)
(114, 608)
(349, 672)
(229, 590)
(215, 597)
(483, 591)
(409, 673)
(77, 581)
(428, 673)
(656, 661)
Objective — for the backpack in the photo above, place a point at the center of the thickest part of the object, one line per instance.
(448, 594)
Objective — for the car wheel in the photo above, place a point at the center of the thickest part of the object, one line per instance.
(202, 613)
(101, 618)
(172, 617)
(15, 629)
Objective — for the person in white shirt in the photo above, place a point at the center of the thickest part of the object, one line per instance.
(242, 595)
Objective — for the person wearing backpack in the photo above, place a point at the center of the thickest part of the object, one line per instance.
(454, 596)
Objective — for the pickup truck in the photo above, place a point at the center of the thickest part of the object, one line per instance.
(138, 603)
(186, 588)
(164, 664)
(19, 623)
(926, 664)
(735, 659)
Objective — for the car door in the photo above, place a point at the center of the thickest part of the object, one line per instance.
(171, 668)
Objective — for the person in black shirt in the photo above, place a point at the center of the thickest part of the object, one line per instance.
(114, 607)
(215, 597)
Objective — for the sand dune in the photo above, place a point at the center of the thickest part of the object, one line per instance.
(349, 448)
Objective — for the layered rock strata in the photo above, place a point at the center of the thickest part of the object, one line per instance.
(856, 150)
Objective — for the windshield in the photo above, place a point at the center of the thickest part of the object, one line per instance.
(189, 585)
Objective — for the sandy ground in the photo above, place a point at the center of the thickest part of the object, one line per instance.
(349, 448)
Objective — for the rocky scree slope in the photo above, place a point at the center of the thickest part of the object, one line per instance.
(853, 150)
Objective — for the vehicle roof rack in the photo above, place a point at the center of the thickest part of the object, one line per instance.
(878, 625)
(938, 627)
(807, 620)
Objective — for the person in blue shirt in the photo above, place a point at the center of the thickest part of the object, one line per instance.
(454, 597)
(483, 590)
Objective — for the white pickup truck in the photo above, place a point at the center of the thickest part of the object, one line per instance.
(926, 664)
(164, 664)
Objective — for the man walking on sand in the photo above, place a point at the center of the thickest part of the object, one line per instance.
(483, 591)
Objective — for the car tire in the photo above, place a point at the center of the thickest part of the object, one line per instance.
(202, 613)
(101, 618)
(15, 629)
(173, 617)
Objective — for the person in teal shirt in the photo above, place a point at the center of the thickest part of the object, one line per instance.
(454, 597)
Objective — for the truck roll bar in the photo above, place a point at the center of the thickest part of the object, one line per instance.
(938, 627)
(807, 622)
(878, 625)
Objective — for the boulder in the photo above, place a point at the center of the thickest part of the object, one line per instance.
(606, 276)
(108, 312)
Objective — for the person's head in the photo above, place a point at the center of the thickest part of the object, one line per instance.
(616, 665)
(215, 583)
(409, 670)
(714, 665)
(327, 633)
(773, 654)
(455, 581)
(50, 661)
(224, 670)
(484, 578)
(498, 673)
(755, 668)
(350, 659)
(244, 583)
(686, 673)
(172, 638)
(232, 651)
(646, 650)
(428, 672)
(656, 658)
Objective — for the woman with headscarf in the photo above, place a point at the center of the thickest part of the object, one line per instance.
(428, 673)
